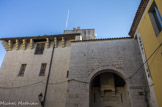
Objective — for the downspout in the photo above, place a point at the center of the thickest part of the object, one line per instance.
(45, 93)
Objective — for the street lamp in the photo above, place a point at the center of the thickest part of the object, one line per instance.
(40, 96)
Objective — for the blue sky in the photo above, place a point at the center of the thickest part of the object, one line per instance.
(110, 18)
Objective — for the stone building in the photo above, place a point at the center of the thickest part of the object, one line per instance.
(73, 69)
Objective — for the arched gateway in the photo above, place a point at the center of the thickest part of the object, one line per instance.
(108, 89)
(99, 75)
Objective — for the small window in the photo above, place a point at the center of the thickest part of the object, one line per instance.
(39, 48)
(67, 75)
(156, 18)
(43, 69)
(22, 70)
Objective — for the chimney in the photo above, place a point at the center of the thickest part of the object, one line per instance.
(74, 28)
(78, 28)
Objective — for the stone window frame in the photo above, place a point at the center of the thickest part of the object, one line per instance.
(22, 69)
(43, 69)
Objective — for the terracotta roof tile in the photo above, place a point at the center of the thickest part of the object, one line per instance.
(102, 39)
(138, 16)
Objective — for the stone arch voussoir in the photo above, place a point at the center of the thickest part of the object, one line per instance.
(105, 69)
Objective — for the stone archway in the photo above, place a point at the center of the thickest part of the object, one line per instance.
(108, 89)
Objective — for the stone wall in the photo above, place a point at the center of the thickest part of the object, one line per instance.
(89, 59)
(56, 93)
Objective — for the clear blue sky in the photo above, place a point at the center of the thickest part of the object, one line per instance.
(110, 18)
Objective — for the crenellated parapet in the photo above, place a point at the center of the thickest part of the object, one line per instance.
(23, 43)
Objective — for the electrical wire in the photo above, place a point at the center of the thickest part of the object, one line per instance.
(143, 63)
(58, 82)
(43, 83)
(22, 86)
(69, 81)
(79, 80)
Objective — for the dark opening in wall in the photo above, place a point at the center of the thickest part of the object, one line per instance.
(40, 48)
(96, 81)
(119, 82)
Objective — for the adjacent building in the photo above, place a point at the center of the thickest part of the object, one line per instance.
(147, 28)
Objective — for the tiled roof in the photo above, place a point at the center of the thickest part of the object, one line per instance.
(138, 16)
(42, 37)
(102, 39)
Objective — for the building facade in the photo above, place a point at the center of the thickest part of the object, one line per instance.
(73, 70)
(147, 28)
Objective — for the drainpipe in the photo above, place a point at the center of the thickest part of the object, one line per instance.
(45, 93)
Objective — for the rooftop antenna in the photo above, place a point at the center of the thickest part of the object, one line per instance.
(67, 20)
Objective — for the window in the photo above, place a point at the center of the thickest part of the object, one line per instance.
(39, 48)
(22, 70)
(43, 69)
(67, 75)
(156, 18)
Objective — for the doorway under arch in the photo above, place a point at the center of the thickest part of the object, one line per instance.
(108, 89)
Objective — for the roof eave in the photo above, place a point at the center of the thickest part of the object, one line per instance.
(138, 17)
(42, 37)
